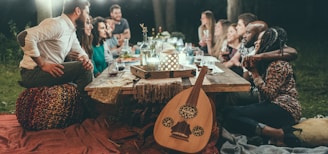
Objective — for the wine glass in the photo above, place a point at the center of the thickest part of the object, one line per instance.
(112, 68)
(210, 65)
(206, 34)
(199, 54)
(120, 66)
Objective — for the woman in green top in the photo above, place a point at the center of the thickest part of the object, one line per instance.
(101, 54)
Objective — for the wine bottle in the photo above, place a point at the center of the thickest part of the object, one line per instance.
(159, 34)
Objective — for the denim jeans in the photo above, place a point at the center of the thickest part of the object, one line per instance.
(73, 72)
(244, 119)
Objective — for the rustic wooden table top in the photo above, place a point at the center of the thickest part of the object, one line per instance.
(223, 81)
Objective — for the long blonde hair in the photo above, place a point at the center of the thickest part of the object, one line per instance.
(222, 37)
(211, 23)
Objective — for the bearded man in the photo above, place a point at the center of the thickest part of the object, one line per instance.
(46, 45)
(122, 29)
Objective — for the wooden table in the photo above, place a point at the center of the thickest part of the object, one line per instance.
(227, 81)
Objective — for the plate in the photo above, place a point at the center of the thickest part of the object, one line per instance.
(129, 60)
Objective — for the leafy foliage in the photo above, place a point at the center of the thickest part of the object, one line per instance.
(10, 50)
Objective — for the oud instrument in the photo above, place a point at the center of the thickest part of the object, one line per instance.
(186, 121)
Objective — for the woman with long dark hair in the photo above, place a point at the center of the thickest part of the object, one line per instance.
(85, 37)
(83, 33)
(101, 54)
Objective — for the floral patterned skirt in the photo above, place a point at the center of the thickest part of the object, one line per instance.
(49, 107)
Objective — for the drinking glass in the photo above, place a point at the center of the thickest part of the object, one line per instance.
(112, 68)
(120, 65)
(199, 54)
(206, 34)
(210, 65)
(190, 53)
(152, 63)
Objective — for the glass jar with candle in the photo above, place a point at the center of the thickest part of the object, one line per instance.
(152, 63)
(126, 51)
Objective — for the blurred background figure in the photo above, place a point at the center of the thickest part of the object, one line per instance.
(206, 30)
(112, 41)
(220, 36)
(122, 29)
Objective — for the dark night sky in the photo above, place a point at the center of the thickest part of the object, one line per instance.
(294, 15)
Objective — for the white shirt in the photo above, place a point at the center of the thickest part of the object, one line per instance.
(52, 39)
(249, 52)
(107, 53)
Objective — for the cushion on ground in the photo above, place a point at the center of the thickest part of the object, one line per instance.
(49, 107)
(308, 133)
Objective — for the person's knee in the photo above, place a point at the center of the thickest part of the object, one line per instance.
(229, 114)
(84, 73)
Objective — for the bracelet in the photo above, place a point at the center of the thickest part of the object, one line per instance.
(259, 127)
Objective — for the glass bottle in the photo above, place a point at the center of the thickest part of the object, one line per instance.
(159, 34)
(144, 47)
(126, 48)
(153, 32)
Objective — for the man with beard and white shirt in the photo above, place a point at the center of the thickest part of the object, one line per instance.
(122, 29)
(253, 29)
(46, 45)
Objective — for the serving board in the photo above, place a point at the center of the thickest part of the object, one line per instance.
(142, 72)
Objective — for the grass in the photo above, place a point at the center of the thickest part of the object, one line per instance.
(9, 88)
(311, 70)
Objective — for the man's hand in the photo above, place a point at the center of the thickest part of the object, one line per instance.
(73, 55)
(202, 43)
(224, 55)
(86, 62)
(56, 70)
(249, 62)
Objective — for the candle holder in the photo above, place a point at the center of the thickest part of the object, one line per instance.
(169, 60)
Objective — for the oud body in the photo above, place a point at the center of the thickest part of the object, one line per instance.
(185, 123)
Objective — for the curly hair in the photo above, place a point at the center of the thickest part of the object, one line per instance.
(95, 31)
(274, 38)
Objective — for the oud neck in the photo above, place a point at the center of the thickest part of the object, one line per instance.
(193, 97)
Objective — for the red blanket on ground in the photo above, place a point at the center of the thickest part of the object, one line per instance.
(91, 136)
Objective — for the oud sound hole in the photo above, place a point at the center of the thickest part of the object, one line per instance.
(167, 122)
(188, 112)
(197, 131)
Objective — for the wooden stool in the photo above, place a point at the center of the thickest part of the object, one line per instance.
(49, 107)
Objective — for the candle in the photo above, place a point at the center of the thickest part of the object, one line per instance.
(152, 63)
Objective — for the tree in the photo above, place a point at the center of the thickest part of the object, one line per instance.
(44, 9)
(158, 13)
(164, 12)
(234, 8)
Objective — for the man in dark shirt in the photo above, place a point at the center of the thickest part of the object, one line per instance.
(122, 29)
